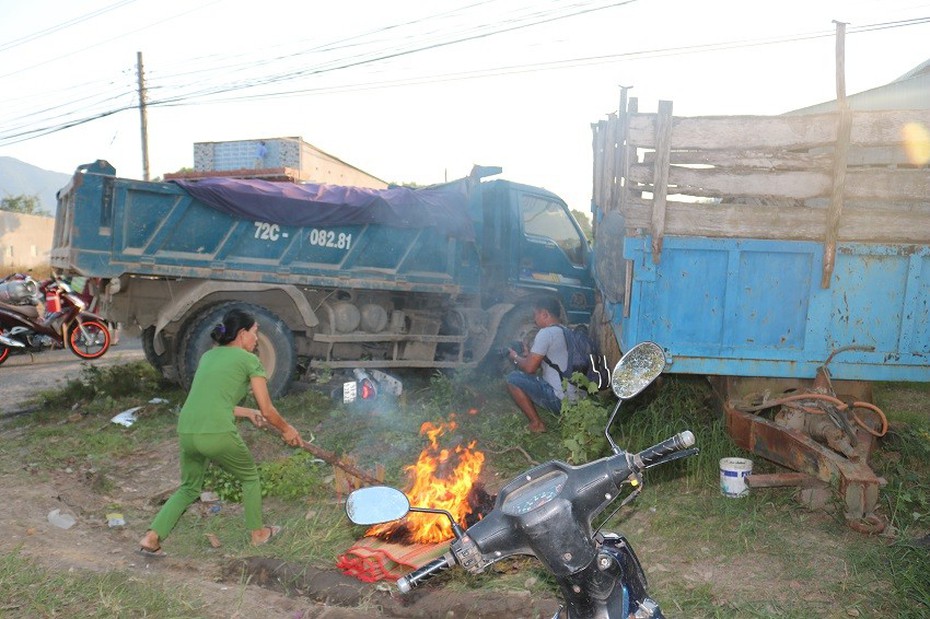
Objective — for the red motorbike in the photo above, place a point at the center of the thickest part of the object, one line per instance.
(65, 322)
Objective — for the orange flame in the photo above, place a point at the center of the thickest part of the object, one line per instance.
(441, 479)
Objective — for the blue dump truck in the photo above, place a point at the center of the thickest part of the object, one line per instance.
(338, 277)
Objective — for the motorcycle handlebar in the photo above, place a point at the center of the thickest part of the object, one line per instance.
(650, 456)
(416, 577)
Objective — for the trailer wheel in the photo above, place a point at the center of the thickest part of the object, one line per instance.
(276, 347)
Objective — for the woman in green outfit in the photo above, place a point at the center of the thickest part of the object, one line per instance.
(207, 431)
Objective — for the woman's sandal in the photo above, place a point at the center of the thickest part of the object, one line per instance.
(155, 553)
(272, 532)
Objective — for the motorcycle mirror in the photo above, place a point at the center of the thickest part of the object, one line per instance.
(376, 504)
(641, 365)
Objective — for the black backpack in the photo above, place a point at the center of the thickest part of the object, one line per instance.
(583, 357)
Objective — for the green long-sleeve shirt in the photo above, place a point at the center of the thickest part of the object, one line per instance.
(221, 381)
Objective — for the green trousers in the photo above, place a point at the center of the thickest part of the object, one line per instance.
(226, 449)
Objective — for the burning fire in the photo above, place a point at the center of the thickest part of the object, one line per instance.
(441, 479)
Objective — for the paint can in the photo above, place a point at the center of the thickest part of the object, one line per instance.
(733, 474)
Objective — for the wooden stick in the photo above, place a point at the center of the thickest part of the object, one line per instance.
(331, 458)
(335, 460)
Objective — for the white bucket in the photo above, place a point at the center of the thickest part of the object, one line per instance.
(733, 474)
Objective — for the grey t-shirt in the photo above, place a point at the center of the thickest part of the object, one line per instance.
(550, 342)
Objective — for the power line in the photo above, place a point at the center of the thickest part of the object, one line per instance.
(202, 95)
(66, 24)
(532, 67)
(382, 56)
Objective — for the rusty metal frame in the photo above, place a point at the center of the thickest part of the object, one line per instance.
(817, 466)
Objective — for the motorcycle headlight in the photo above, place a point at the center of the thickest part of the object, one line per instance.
(77, 301)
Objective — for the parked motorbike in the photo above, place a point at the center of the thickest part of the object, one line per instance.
(547, 512)
(64, 324)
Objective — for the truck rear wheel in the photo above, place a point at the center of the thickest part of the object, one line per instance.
(276, 347)
(148, 349)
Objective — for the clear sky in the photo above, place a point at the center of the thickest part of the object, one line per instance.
(414, 91)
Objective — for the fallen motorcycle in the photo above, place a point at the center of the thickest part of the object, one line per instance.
(547, 512)
(64, 324)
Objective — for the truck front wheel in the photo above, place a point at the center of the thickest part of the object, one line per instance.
(517, 327)
(276, 347)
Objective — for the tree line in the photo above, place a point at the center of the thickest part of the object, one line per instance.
(25, 204)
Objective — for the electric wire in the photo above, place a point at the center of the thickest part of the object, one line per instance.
(213, 93)
(538, 66)
(66, 24)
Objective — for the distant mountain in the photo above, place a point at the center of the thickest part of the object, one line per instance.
(20, 178)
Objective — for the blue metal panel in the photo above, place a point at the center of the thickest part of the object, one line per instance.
(751, 307)
(159, 229)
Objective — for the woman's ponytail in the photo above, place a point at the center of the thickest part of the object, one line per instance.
(234, 321)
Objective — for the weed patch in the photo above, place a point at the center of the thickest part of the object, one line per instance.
(30, 591)
(295, 477)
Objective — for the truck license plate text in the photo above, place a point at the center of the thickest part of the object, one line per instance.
(267, 232)
(328, 238)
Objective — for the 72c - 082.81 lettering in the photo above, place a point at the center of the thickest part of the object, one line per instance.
(321, 238)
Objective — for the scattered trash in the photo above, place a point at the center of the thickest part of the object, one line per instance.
(368, 385)
(115, 519)
(213, 539)
(158, 401)
(388, 383)
(209, 497)
(60, 520)
(127, 417)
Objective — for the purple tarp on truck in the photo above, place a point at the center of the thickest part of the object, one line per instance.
(443, 207)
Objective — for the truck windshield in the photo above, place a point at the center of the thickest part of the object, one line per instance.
(546, 218)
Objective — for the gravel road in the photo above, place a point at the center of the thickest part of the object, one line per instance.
(23, 376)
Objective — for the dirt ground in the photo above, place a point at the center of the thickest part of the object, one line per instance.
(92, 545)
(23, 376)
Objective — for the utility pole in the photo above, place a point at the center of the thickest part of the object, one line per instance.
(143, 118)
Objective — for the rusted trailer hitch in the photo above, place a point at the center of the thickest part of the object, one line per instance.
(825, 437)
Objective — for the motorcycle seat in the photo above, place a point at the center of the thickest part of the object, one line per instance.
(29, 311)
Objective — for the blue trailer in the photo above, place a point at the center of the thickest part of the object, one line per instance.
(338, 277)
(778, 256)
(732, 242)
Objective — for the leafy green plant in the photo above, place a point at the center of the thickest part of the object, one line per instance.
(292, 478)
(582, 426)
(108, 384)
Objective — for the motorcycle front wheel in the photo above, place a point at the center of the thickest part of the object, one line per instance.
(4, 352)
(89, 340)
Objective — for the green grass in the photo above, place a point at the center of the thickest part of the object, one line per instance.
(705, 555)
(32, 592)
